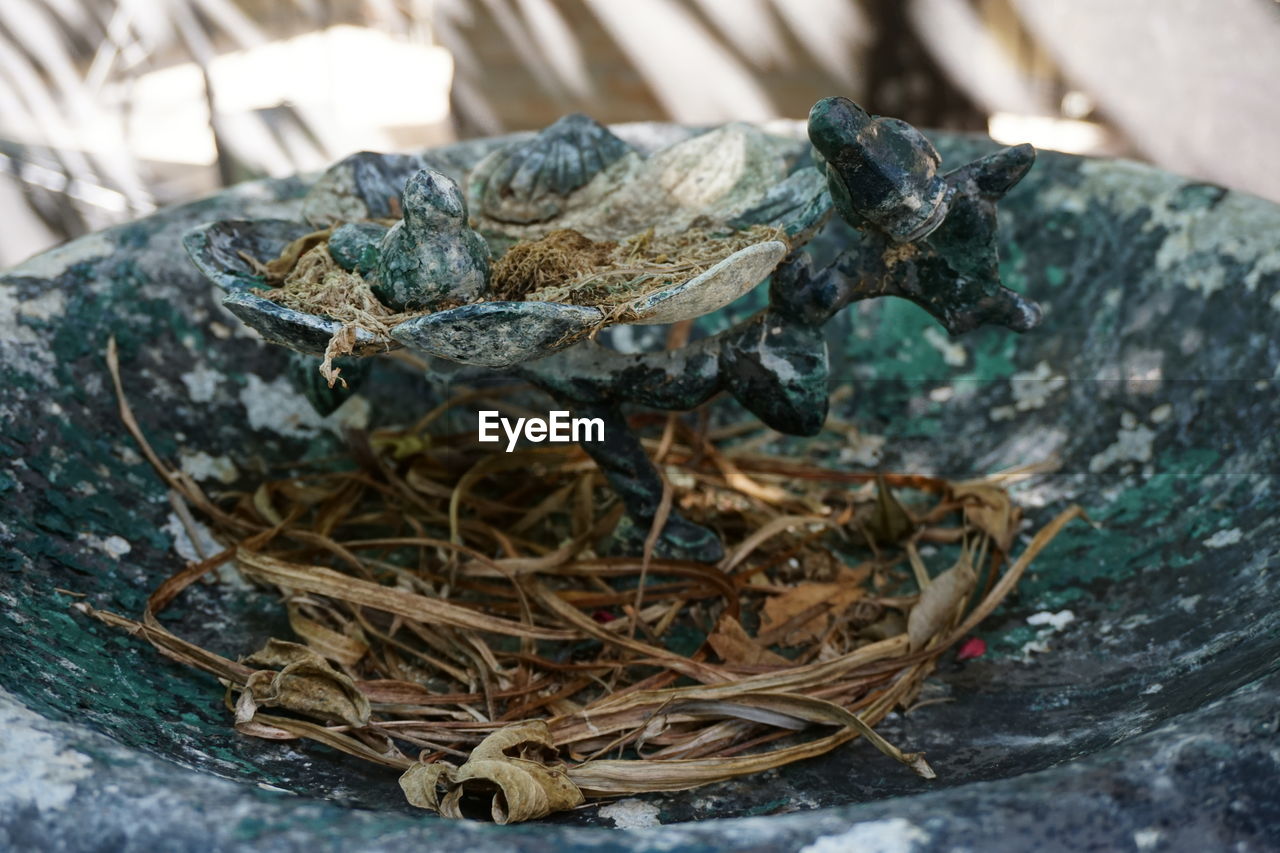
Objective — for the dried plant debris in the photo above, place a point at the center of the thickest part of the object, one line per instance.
(454, 619)
(562, 266)
(516, 766)
(565, 266)
(307, 278)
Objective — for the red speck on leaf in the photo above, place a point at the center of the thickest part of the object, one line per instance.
(974, 647)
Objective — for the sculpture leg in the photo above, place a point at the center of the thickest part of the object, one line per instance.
(633, 477)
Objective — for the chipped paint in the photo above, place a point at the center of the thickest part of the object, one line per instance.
(893, 835)
(1147, 839)
(35, 768)
(1056, 621)
(631, 814)
(1223, 538)
(953, 352)
(1198, 232)
(1131, 445)
(1031, 389)
(202, 383)
(205, 545)
(864, 449)
(202, 466)
(113, 546)
(277, 406)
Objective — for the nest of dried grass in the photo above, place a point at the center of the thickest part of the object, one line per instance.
(306, 278)
(563, 266)
(566, 266)
(452, 618)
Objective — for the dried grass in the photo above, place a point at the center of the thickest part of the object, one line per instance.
(453, 621)
(306, 278)
(563, 266)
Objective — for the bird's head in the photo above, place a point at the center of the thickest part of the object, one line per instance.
(881, 171)
(431, 199)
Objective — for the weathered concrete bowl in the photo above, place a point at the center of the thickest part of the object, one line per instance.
(1129, 695)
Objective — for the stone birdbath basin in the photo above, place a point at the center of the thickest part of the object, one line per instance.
(1128, 694)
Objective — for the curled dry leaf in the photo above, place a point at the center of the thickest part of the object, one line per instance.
(889, 521)
(939, 604)
(306, 684)
(262, 503)
(278, 654)
(989, 509)
(330, 644)
(514, 766)
(421, 784)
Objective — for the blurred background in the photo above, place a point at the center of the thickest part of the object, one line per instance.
(112, 108)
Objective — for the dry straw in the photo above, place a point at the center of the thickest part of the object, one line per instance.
(452, 617)
(306, 278)
(563, 266)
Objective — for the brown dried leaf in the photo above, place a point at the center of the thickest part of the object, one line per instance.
(421, 783)
(278, 268)
(277, 654)
(889, 522)
(939, 604)
(826, 597)
(514, 761)
(989, 509)
(890, 624)
(331, 644)
(306, 684)
(734, 645)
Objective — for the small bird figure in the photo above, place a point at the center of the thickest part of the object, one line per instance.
(927, 237)
(432, 257)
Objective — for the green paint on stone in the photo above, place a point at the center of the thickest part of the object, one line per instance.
(1204, 619)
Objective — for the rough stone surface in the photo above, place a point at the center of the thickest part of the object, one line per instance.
(531, 181)
(354, 245)
(498, 334)
(431, 256)
(364, 185)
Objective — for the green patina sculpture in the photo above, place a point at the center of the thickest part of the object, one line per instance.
(922, 236)
(431, 256)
